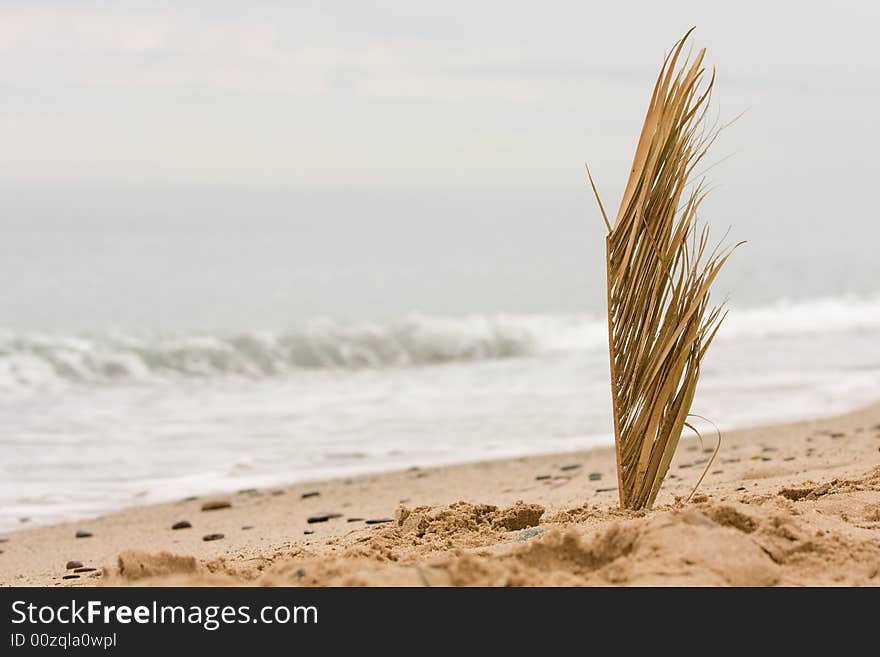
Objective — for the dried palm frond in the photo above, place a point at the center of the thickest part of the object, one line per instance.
(659, 270)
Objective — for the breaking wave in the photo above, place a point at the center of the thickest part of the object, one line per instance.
(32, 360)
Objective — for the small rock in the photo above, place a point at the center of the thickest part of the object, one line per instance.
(216, 505)
(379, 521)
(837, 434)
(708, 450)
(595, 476)
(70, 577)
(191, 498)
(81, 533)
(741, 488)
(183, 524)
(310, 493)
(542, 477)
(322, 517)
(73, 564)
(606, 489)
(526, 534)
(308, 531)
(686, 465)
(248, 491)
(300, 573)
(572, 466)
(354, 520)
(246, 527)
(769, 449)
(24, 519)
(84, 569)
(788, 458)
(212, 537)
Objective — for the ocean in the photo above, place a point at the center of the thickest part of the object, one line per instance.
(156, 344)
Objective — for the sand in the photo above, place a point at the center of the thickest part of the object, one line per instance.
(794, 504)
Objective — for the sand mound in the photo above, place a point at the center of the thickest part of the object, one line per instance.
(814, 533)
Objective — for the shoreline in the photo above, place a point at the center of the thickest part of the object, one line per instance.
(426, 537)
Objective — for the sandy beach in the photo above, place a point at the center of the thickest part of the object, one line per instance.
(794, 504)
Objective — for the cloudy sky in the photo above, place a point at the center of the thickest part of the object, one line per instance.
(419, 95)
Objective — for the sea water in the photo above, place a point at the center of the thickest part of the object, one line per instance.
(156, 344)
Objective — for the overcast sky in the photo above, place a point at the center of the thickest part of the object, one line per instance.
(421, 95)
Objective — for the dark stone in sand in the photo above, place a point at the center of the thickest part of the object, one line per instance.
(606, 489)
(741, 488)
(572, 466)
(692, 448)
(733, 460)
(379, 521)
(212, 537)
(216, 505)
(70, 577)
(308, 531)
(323, 517)
(4, 540)
(708, 450)
(837, 434)
(84, 569)
(420, 475)
(542, 477)
(310, 493)
(526, 534)
(686, 465)
(788, 458)
(595, 476)
(191, 498)
(73, 564)
(246, 527)
(300, 573)
(354, 520)
(769, 449)
(248, 491)
(24, 519)
(183, 524)
(766, 458)
(81, 533)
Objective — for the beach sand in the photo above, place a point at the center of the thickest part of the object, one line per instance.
(794, 504)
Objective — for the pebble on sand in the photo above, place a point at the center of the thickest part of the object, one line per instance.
(216, 505)
(81, 533)
(212, 537)
(84, 569)
(70, 577)
(606, 489)
(323, 517)
(542, 477)
(354, 520)
(73, 564)
(379, 521)
(308, 531)
(310, 493)
(595, 476)
(571, 466)
(183, 524)
(247, 527)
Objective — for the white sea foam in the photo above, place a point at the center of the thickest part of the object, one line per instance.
(45, 361)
